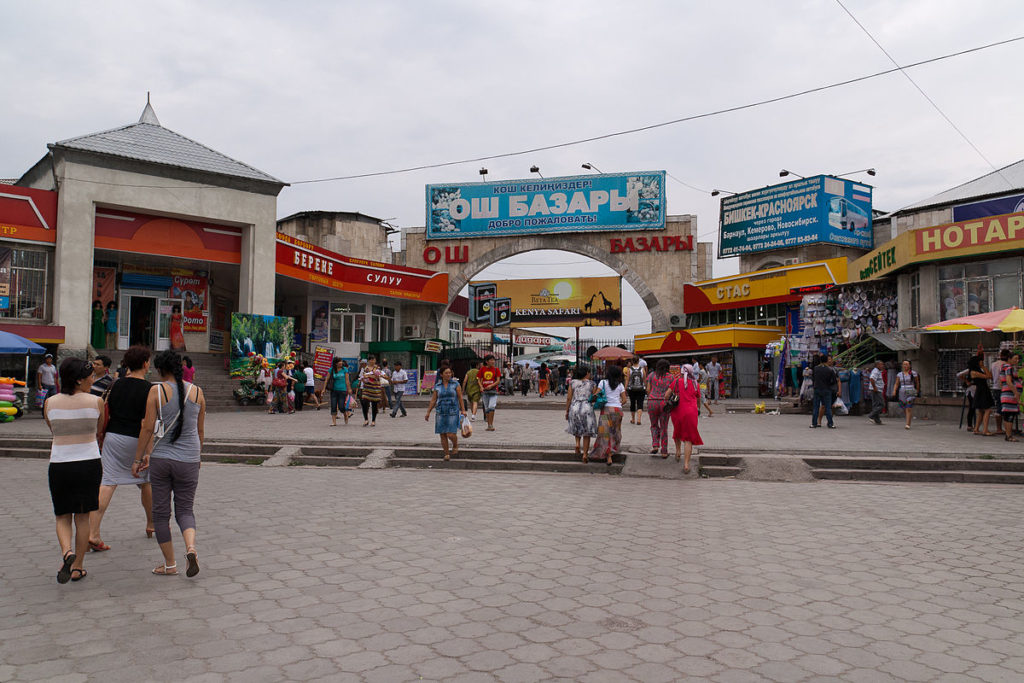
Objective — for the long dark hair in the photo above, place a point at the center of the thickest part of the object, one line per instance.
(661, 368)
(614, 376)
(169, 363)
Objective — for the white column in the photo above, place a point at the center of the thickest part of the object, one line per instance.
(72, 264)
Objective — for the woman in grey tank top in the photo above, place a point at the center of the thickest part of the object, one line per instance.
(174, 462)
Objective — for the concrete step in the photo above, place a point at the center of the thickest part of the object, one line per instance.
(718, 471)
(328, 460)
(464, 461)
(486, 454)
(919, 464)
(915, 475)
(25, 452)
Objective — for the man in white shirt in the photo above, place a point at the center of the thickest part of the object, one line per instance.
(714, 372)
(399, 378)
(877, 382)
(310, 388)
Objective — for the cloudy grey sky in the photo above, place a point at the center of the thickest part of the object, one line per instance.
(318, 89)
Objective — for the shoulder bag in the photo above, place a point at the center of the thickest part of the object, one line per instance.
(672, 399)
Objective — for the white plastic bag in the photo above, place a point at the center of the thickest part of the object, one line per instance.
(840, 406)
(467, 427)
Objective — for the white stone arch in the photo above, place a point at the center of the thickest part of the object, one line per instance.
(459, 279)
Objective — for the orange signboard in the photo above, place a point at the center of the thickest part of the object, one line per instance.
(28, 214)
(975, 236)
(304, 261)
(144, 234)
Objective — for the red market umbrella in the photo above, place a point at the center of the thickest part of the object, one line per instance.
(612, 353)
(1006, 320)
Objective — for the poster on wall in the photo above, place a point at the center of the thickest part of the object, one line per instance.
(192, 289)
(5, 279)
(103, 281)
(323, 357)
(412, 386)
(267, 335)
(318, 329)
(564, 302)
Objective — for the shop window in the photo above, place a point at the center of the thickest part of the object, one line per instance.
(348, 323)
(730, 316)
(455, 331)
(978, 296)
(382, 322)
(955, 272)
(1005, 292)
(23, 275)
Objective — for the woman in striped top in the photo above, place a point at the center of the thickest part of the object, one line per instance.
(75, 417)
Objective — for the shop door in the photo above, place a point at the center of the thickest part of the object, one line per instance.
(139, 321)
(169, 325)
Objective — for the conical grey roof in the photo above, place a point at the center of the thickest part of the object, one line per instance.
(148, 141)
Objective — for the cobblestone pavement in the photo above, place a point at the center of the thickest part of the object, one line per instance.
(341, 575)
(742, 432)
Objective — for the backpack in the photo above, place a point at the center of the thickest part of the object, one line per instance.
(636, 379)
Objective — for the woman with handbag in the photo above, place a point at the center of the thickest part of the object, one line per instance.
(609, 427)
(657, 413)
(370, 392)
(279, 388)
(447, 398)
(908, 387)
(684, 394)
(126, 408)
(338, 383)
(579, 412)
(175, 418)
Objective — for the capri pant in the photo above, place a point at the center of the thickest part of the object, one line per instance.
(177, 478)
(338, 401)
(636, 399)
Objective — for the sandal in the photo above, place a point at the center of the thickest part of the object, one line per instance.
(686, 470)
(81, 574)
(455, 451)
(167, 570)
(1010, 438)
(64, 573)
(446, 455)
(98, 546)
(193, 562)
(585, 458)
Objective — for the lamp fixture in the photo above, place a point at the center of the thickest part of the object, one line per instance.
(483, 172)
(869, 171)
(590, 167)
(783, 173)
(715, 193)
(535, 169)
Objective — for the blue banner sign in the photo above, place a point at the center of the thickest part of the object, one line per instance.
(989, 207)
(540, 206)
(805, 211)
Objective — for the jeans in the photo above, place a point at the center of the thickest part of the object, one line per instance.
(490, 401)
(398, 404)
(713, 388)
(821, 398)
(877, 404)
(338, 400)
(387, 392)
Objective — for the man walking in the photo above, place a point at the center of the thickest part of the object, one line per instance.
(877, 393)
(101, 377)
(563, 377)
(825, 383)
(714, 371)
(399, 378)
(488, 376)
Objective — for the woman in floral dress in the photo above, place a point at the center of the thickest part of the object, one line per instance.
(657, 384)
(579, 412)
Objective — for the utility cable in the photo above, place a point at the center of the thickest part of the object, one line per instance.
(902, 70)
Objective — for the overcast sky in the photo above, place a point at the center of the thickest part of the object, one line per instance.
(317, 89)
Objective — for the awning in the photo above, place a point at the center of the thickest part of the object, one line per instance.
(896, 341)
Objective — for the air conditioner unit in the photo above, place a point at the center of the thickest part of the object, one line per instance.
(410, 331)
(678, 320)
(791, 262)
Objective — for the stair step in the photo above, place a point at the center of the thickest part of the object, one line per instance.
(25, 452)
(960, 476)
(328, 460)
(238, 458)
(226, 448)
(920, 464)
(718, 471)
(506, 465)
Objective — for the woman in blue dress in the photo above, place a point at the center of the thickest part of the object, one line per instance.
(447, 398)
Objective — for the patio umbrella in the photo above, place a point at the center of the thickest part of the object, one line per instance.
(15, 344)
(612, 353)
(1006, 320)
(530, 363)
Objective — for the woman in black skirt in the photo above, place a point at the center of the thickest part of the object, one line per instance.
(75, 417)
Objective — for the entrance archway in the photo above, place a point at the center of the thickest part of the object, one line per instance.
(655, 263)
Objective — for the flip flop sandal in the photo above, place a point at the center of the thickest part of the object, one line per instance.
(193, 563)
(64, 573)
(81, 574)
(167, 570)
(98, 546)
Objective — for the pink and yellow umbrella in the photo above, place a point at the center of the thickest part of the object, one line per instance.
(1006, 320)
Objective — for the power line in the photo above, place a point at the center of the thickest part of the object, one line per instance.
(902, 70)
(684, 119)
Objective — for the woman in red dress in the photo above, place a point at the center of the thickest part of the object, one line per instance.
(684, 416)
(177, 337)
